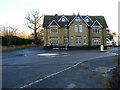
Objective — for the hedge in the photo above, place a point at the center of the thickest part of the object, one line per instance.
(14, 40)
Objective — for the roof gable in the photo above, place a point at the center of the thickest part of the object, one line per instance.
(96, 23)
(49, 18)
(87, 17)
(63, 17)
(53, 23)
(78, 18)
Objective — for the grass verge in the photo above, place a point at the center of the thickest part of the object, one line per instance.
(5, 48)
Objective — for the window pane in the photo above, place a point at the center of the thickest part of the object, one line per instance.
(80, 27)
(87, 20)
(85, 40)
(78, 41)
(53, 29)
(54, 41)
(75, 27)
(65, 30)
(96, 29)
(96, 41)
(71, 40)
(63, 19)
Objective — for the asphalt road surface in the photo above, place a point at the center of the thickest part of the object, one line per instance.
(39, 68)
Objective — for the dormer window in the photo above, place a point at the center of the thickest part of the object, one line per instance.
(78, 19)
(63, 19)
(87, 20)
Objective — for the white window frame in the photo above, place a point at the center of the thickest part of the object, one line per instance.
(95, 43)
(85, 40)
(54, 38)
(80, 28)
(96, 28)
(71, 40)
(76, 27)
(78, 38)
(51, 27)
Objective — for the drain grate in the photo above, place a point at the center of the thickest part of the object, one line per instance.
(20, 55)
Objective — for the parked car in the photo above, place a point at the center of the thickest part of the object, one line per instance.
(109, 43)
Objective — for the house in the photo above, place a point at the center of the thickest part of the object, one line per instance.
(74, 30)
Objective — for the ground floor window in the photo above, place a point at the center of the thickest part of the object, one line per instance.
(85, 40)
(54, 41)
(78, 41)
(72, 40)
(65, 40)
(96, 41)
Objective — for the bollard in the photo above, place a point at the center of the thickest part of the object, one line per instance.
(102, 48)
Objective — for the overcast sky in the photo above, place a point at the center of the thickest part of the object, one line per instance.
(12, 12)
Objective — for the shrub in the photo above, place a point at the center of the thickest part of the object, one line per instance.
(14, 40)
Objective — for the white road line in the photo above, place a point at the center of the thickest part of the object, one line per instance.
(63, 70)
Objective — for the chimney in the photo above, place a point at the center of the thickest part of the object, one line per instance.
(73, 14)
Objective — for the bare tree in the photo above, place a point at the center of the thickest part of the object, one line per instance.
(8, 31)
(32, 19)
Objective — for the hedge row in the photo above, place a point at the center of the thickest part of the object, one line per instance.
(14, 40)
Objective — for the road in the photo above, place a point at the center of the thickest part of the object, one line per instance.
(27, 68)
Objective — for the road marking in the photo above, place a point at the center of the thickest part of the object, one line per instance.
(63, 70)
(48, 76)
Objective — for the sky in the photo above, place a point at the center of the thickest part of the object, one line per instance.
(12, 12)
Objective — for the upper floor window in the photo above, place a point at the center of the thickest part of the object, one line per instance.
(65, 29)
(80, 28)
(53, 29)
(76, 28)
(96, 29)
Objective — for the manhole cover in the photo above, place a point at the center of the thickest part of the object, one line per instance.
(20, 55)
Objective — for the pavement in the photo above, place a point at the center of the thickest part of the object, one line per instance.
(37, 68)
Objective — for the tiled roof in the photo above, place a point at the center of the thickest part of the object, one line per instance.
(49, 18)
